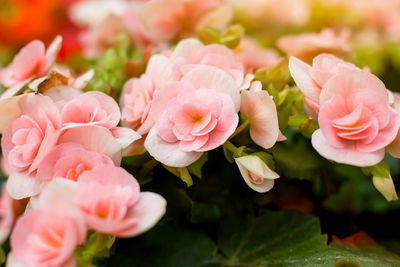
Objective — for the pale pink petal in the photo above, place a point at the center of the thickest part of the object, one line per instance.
(28, 59)
(62, 93)
(300, 72)
(159, 69)
(148, 211)
(9, 111)
(15, 89)
(96, 139)
(51, 54)
(125, 136)
(345, 84)
(168, 153)
(81, 81)
(260, 110)
(186, 49)
(215, 79)
(21, 185)
(347, 155)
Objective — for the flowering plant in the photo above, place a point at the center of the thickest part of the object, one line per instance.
(182, 133)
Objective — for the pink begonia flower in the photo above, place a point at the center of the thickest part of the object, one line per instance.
(192, 116)
(307, 45)
(137, 94)
(27, 140)
(92, 109)
(69, 161)
(31, 62)
(311, 79)
(356, 121)
(111, 202)
(260, 111)
(257, 175)
(253, 57)
(164, 20)
(191, 53)
(9, 210)
(9, 111)
(45, 238)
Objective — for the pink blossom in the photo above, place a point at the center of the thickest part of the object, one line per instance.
(110, 200)
(253, 57)
(164, 20)
(69, 161)
(137, 94)
(45, 238)
(307, 45)
(31, 62)
(91, 108)
(192, 116)
(190, 53)
(311, 79)
(260, 111)
(356, 121)
(29, 138)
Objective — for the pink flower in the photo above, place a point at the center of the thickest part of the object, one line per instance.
(253, 57)
(260, 111)
(137, 94)
(192, 116)
(307, 45)
(45, 238)
(69, 161)
(190, 53)
(311, 79)
(91, 108)
(29, 138)
(9, 210)
(30, 63)
(356, 121)
(164, 20)
(110, 200)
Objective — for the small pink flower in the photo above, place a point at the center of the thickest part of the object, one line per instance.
(31, 62)
(191, 53)
(110, 200)
(307, 45)
(164, 20)
(45, 238)
(253, 57)
(69, 161)
(356, 121)
(192, 116)
(311, 79)
(137, 94)
(260, 111)
(29, 138)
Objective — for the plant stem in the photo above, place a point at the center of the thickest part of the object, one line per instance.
(240, 128)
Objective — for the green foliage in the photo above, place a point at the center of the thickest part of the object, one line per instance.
(195, 168)
(97, 247)
(285, 238)
(230, 37)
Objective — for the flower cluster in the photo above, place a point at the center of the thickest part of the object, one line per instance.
(62, 149)
(288, 89)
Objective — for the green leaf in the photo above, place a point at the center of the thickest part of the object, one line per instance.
(204, 212)
(167, 246)
(182, 173)
(97, 247)
(298, 160)
(290, 238)
(195, 168)
(382, 180)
